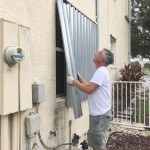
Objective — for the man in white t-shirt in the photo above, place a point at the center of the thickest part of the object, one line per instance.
(99, 99)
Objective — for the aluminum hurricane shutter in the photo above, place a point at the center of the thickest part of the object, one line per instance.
(79, 35)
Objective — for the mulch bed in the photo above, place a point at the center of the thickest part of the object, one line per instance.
(126, 141)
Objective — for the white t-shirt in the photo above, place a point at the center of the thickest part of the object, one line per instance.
(100, 100)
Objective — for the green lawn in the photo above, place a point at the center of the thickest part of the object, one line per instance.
(147, 73)
(140, 112)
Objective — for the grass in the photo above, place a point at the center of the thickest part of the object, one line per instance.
(147, 73)
(140, 112)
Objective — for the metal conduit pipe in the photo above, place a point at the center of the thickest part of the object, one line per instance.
(52, 148)
(70, 124)
(14, 132)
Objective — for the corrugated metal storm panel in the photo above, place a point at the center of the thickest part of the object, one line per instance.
(80, 43)
(69, 57)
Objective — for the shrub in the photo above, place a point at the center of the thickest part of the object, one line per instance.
(131, 72)
(135, 63)
(147, 66)
(125, 91)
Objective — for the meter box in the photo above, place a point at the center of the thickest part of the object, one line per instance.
(15, 68)
(38, 93)
(32, 124)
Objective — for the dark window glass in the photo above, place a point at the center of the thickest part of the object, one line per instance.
(60, 61)
(59, 42)
(60, 74)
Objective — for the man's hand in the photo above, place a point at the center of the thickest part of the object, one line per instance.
(70, 80)
(80, 78)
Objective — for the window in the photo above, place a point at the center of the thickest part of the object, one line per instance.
(113, 46)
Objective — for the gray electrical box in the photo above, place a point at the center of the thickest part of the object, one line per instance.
(38, 93)
(32, 124)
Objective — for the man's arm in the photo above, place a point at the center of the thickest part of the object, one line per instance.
(86, 87)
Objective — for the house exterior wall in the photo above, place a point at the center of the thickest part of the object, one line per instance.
(113, 22)
(54, 116)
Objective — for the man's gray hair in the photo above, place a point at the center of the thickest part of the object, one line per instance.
(109, 57)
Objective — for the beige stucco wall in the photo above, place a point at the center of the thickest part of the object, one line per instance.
(40, 18)
(113, 22)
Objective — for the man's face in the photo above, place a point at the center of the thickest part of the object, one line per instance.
(99, 57)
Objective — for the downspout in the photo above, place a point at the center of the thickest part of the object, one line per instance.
(70, 125)
(98, 23)
(129, 51)
(16, 122)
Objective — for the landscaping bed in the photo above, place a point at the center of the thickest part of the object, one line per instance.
(126, 141)
(127, 138)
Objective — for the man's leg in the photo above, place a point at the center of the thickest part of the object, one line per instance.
(97, 131)
(105, 147)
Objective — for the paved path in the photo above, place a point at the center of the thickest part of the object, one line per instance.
(147, 78)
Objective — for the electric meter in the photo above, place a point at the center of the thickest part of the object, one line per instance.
(13, 55)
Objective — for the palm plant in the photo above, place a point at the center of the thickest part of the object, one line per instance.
(124, 91)
(131, 72)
